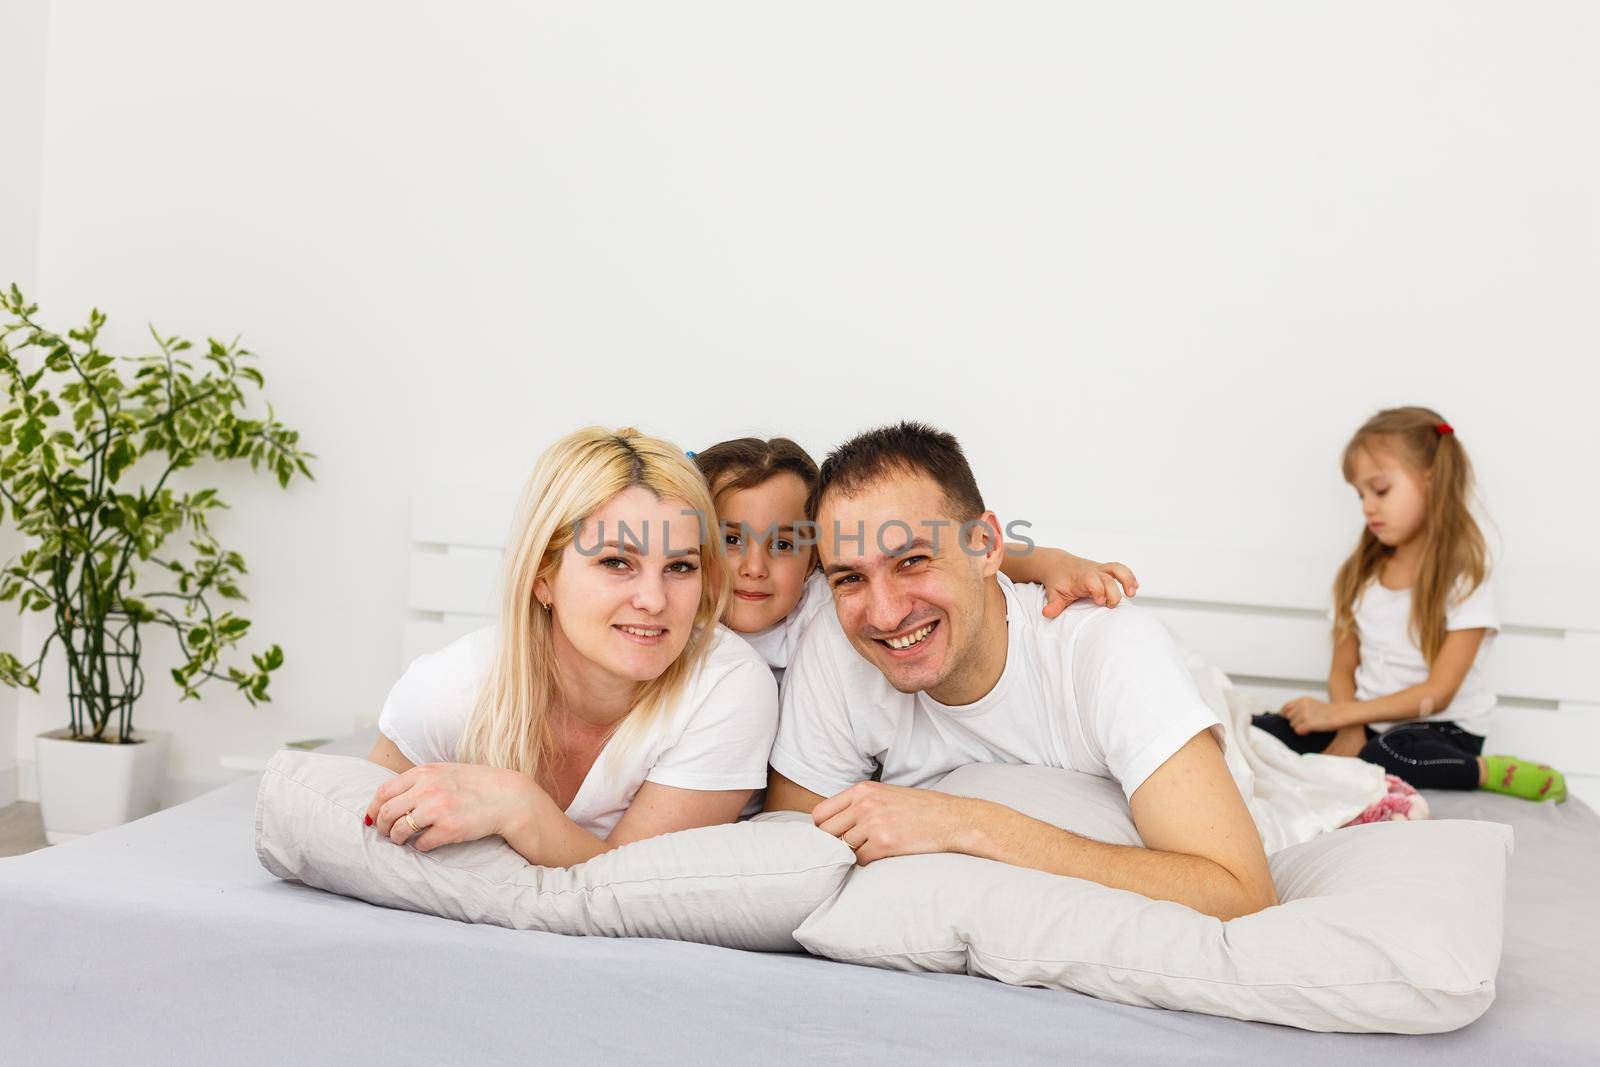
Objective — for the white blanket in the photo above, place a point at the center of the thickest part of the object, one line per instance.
(1292, 797)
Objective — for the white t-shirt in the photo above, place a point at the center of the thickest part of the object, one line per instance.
(1101, 690)
(777, 642)
(1391, 660)
(717, 735)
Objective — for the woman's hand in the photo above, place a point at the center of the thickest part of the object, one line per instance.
(1308, 715)
(453, 802)
(1073, 578)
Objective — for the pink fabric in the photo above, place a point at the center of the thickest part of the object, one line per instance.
(1400, 803)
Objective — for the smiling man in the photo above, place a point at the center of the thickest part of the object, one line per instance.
(933, 660)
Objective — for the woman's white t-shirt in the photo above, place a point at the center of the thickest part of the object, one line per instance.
(1391, 660)
(716, 736)
(777, 642)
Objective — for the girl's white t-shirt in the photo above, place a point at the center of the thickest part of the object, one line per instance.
(1391, 660)
(777, 642)
(717, 735)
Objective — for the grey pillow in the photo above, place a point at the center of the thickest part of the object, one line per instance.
(745, 885)
(1389, 927)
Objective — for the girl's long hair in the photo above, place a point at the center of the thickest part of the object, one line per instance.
(511, 723)
(1454, 556)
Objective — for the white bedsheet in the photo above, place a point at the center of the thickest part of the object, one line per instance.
(1293, 798)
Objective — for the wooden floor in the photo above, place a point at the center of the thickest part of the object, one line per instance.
(20, 829)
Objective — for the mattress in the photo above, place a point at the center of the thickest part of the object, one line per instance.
(164, 942)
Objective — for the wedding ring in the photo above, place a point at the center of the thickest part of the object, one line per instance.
(412, 823)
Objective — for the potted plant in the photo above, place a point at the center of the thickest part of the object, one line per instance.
(89, 447)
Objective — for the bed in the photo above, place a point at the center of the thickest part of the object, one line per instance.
(164, 941)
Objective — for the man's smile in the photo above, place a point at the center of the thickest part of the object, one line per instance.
(910, 642)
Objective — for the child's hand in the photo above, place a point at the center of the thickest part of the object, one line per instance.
(1308, 715)
(1349, 741)
(1075, 578)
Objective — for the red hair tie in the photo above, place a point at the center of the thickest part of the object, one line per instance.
(1443, 428)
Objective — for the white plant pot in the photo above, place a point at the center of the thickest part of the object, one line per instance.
(87, 786)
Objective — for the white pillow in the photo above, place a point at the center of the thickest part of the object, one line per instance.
(1388, 927)
(744, 885)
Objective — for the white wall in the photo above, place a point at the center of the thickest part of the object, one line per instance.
(1152, 263)
(22, 88)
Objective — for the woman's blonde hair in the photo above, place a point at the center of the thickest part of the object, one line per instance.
(511, 722)
(1453, 549)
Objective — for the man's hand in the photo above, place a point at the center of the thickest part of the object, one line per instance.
(452, 802)
(1308, 715)
(880, 820)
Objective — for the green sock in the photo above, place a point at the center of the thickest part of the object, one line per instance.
(1523, 778)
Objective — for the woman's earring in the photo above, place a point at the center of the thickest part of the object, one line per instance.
(545, 604)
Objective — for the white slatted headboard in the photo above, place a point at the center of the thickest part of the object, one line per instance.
(457, 535)
(1261, 617)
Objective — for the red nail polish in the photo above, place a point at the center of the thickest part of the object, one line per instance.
(369, 820)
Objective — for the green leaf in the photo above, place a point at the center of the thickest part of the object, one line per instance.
(118, 459)
(29, 436)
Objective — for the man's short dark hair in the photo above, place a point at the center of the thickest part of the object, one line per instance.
(903, 448)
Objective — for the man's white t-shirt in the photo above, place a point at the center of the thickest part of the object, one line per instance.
(777, 642)
(1391, 660)
(1100, 690)
(716, 736)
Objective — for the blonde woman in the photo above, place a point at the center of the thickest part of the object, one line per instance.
(608, 705)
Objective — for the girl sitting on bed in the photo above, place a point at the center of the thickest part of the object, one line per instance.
(1414, 617)
(608, 706)
(761, 490)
